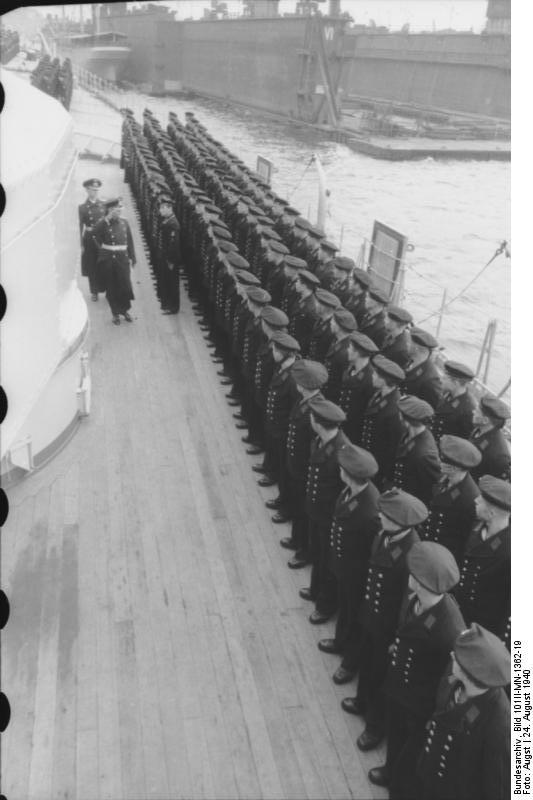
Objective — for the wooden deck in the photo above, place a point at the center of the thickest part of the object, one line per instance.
(157, 646)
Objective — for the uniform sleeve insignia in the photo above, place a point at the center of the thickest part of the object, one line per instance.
(454, 494)
(395, 553)
(472, 714)
(430, 621)
(495, 542)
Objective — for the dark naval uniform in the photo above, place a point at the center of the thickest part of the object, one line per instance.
(396, 348)
(373, 325)
(90, 213)
(417, 466)
(386, 583)
(466, 752)
(381, 431)
(336, 361)
(281, 397)
(454, 415)
(353, 529)
(302, 321)
(484, 590)
(116, 251)
(495, 455)
(356, 390)
(452, 513)
(171, 251)
(424, 381)
(418, 660)
(323, 487)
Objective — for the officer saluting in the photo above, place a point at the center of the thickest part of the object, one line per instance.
(116, 254)
(427, 630)
(89, 214)
(466, 753)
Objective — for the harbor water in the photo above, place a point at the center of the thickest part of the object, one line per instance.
(455, 214)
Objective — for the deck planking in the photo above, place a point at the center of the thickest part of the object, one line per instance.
(157, 646)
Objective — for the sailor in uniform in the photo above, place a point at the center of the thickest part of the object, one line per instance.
(90, 212)
(356, 303)
(303, 314)
(455, 412)
(417, 465)
(342, 270)
(396, 345)
(488, 437)
(422, 377)
(373, 323)
(322, 335)
(484, 590)
(323, 487)
(290, 297)
(171, 251)
(452, 510)
(357, 385)
(429, 625)
(337, 359)
(382, 427)
(117, 255)
(354, 525)
(309, 377)
(386, 583)
(466, 754)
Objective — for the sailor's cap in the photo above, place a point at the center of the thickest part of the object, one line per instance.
(258, 295)
(402, 508)
(246, 277)
(457, 370)
(309, 374)
(361, 276)
(326, 411)
(326, 298)
(433, 566)
(390, 369)
(308, 278)
(459, 452)
(112, 202)
(495, 407)
(237, 261)
(378, 295)
(343, 263)
(285, 341)
(399, 314)
(345, 319)
(294, 263)
(421, 337)
(483, 656)
(496, 491)
(278, 247)
(274, 317)
(357, 462)
(414, 409)
(330, 246)
(363, 343)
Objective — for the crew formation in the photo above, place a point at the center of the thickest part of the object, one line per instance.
(395, 482)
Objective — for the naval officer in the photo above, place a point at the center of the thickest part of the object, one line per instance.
(117, 255)
(90, 212)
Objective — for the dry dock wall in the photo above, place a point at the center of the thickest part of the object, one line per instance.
(459, 72)
(271, 64)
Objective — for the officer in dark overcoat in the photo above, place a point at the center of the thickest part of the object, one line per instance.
(322, 489)
(455, 412)
(117, 255)
(416, 465)
(337, 359)
(382, 427)
(309, 377)
(429, 624)
(484, 590)
(90, 212)
(357, 385)
(254, 336)
(466, 754)
(354, 525)
(386, 585)
(452, 510)
(396, 345)
(490, 440)
(422, 378)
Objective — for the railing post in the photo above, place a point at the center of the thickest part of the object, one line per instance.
(341, 238)
(441, 313)
(485, 354)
